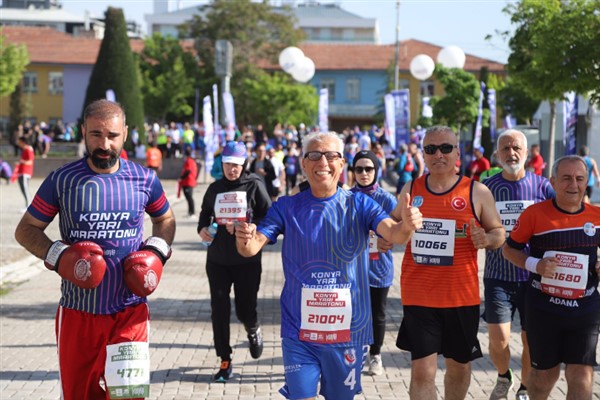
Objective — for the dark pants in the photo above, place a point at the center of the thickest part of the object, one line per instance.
(246, 282)
(378, 304)
(290, 183)
(188, 192)
(24, 185)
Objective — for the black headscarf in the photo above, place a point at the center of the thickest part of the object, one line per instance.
(371, 156)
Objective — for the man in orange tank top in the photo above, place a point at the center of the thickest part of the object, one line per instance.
(439, 281)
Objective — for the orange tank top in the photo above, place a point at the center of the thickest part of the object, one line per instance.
(439, 268)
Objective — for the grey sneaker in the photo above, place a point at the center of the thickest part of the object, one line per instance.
(375, 365)
(522, 395)
(503, 386)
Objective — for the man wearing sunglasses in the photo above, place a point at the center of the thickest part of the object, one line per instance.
(326, 312)
(439, 282)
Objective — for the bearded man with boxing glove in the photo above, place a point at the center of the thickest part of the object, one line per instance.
(106, 266)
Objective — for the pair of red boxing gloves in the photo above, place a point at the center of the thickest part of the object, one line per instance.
(83, 264)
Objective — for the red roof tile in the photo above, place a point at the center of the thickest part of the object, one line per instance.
(46, 45)
(379, 57)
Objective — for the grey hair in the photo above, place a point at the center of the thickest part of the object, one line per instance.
(511, 132)
(440, 129)
(321, 137)
(571, 157)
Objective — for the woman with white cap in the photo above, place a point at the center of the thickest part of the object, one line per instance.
(238, 196)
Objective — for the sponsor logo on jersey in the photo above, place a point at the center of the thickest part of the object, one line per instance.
(417, 201)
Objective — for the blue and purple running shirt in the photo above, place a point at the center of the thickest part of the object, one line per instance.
(107, 209)
(325, 297)
(512, 198)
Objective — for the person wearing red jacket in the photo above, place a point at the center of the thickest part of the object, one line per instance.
(187, 181)
(536, 163)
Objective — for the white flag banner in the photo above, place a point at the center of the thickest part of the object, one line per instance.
(324, 110)
(210, 139)
(390, 120)
(426, 110)
(216, 110)
(492, 106)
(229, 108)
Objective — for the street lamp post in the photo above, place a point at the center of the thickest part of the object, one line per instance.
(397, 64)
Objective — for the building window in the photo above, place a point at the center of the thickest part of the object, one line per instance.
(55, 82)
(353, 89)
(427, 89)
(30, 82)
(329, 84)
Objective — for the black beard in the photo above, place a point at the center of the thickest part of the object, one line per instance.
(102, 163)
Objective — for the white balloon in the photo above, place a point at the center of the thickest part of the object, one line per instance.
(304, 71)
(290, 57)
(451, 57)
(422, 66)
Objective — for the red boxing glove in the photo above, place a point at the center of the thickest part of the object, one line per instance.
(142, 271)
(81, 263)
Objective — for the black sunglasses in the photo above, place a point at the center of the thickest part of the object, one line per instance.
(360, 170)
(329, 155)
(444, 148)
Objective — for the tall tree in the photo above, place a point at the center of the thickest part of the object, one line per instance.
(13, 61)
(517, 102)
(170, 75)
(273, 98)
(116, 70)
(458, 107)
(554, 50)
(256, 32)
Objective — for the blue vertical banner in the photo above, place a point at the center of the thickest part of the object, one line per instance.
(390, 120)
(478, 125)
(324, 110)
(229, 108)
(210, 139)
(402, 116)
(492, 105)
(570, 123)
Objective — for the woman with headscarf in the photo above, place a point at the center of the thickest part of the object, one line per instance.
(238, 196)
(381, 269)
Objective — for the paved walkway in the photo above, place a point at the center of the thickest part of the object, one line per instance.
(183, 358)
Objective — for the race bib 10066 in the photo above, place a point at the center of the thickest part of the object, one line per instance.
(433, 244)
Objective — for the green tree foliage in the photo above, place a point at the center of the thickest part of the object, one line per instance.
(257, 33)
(17, 110)
(170, 75)
(458, 107)
(273, 98)
(517, 102)
(554, 50)
(13, 61)
(115, 69)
